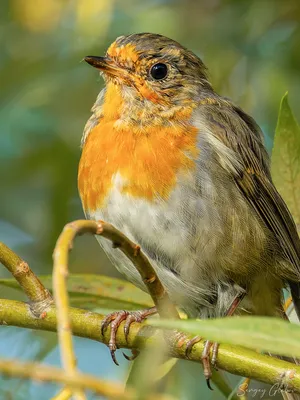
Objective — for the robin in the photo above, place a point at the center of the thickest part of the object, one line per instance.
(184, 172)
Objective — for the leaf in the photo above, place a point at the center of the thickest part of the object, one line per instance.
(256, 333)
(286, 158)
(94, 291)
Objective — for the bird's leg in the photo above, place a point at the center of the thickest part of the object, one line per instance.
(205, 357)
(114, 320)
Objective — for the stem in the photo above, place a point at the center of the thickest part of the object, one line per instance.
(29, 282)
(77, 381)
(236, 360)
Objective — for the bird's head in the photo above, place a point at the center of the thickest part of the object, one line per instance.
(152, 69)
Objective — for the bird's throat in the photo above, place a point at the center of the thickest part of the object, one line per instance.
(147, 157)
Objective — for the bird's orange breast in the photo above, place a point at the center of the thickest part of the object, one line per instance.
(148, 159)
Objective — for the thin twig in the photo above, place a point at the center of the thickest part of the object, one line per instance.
(79, 381)
(29, 282)
(60, 273)
(236, 360)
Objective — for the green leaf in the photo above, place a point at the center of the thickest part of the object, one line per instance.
(97, 291)
(258, 333)
(286, 158)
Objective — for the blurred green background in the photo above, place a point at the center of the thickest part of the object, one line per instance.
(252, 50)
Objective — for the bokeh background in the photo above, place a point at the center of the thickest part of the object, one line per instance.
(252, 49)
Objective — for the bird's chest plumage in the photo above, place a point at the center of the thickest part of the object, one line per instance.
(147, 161)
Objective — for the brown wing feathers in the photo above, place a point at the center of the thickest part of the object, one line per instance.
(233, 127)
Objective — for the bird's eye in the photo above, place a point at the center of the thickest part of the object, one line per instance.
(159, 71)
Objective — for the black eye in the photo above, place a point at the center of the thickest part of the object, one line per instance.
(159, 71)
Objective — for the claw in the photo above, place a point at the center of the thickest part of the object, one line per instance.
(113, 356)
(208, 384)
(115, 319)
(190, 344)
(105, 323)
(214, 357)
(129, 320)
(206, 361)
(205, 357)
(134, 355)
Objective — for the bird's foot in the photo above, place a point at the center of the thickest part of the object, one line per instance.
(207, 362)
(115, 319)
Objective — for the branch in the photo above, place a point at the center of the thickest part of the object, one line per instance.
(79, 381)
(29, 282)
(236, 360)
(60, 291)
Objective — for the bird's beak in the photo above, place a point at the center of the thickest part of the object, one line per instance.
(105, 65)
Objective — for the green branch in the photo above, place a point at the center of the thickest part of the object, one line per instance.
(236, 360)
(29, 282)
(77, 381)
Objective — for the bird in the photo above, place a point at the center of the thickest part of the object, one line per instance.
(184, 172)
